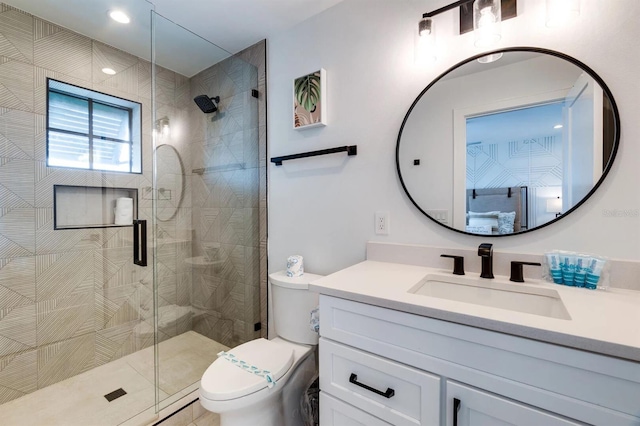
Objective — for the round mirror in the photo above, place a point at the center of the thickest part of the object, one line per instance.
(507, 147)
(169, 183)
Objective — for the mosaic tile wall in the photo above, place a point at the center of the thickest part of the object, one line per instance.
(72, 299)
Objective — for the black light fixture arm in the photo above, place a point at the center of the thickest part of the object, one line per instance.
(445, 8)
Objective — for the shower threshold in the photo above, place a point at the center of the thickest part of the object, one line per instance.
(80, 400)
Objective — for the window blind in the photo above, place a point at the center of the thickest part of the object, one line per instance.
(89, 134)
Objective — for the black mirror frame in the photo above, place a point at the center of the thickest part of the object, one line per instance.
(605, 172)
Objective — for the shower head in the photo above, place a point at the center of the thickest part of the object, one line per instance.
(207, 104)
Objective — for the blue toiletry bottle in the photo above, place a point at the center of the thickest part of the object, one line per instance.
(581, 273)
(568, 272)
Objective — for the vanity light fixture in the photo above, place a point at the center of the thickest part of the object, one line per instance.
(119, 16)
(425, 27)
(485, 22)
(109, 71)
(426, 43)
(559, 12)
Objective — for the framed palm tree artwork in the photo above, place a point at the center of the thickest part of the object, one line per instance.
(309, 100)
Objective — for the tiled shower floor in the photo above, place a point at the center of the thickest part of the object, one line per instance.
(80, 400)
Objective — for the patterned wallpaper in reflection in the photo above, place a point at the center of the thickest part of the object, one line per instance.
(530, 162)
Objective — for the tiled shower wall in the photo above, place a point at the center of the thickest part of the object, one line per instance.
(229, 198)
(72, 299)
(69, 299)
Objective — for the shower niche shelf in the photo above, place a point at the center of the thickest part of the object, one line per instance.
(82, 207)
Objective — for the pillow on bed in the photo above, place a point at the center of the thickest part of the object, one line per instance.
(505, 222)
(483, 214)
(491, 221)
(485, 230)
(484, 219)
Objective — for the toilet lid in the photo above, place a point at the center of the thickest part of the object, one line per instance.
(224, 380)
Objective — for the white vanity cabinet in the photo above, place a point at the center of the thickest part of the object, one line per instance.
(411, 370)
(467, 406)
(335, 412)
(396, 393)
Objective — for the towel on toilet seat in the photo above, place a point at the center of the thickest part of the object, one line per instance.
(249, 368)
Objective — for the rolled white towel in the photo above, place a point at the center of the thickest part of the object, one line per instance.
(124, 211)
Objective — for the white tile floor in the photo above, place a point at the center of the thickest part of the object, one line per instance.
(80, 400)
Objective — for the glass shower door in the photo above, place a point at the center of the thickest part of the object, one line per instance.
(206, 197)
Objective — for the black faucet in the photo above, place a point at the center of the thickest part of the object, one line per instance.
(486, 251)
(516, 270)
(458, 263)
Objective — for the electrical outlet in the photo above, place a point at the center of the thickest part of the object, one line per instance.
(382, 223)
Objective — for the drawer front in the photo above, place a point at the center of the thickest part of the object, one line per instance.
(589, 387)
(478, 408)
(334, 412)
(396, 393)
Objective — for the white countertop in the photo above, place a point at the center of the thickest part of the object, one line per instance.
(605, 322)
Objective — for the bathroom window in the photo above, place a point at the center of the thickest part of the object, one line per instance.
(91, 130)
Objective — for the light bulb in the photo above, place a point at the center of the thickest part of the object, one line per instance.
(425, 44)
(487, 15)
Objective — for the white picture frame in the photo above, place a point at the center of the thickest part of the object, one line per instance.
(309, 100)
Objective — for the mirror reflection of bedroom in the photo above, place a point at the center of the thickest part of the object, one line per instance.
(528, 165)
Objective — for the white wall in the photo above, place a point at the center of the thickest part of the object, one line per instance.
(323, 207)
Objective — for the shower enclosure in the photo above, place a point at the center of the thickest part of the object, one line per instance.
(72, 301)
(207, 250)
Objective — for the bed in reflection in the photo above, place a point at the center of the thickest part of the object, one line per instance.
(497, 211)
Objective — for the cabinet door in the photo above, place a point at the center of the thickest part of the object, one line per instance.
(400, 395)
(334, 412)
(467, 406)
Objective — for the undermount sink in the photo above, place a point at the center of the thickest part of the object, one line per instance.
(495, 293)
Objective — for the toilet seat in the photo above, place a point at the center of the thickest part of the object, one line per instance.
(224, 380)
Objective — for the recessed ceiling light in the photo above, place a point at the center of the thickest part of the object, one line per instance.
(109, 71)
(558, 126)
(119, 16)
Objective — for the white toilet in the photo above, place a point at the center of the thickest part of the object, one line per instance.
(243, 398)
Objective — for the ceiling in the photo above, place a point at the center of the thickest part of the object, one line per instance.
(516, 125)
(186, 30)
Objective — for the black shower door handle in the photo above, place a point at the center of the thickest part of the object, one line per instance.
(140, 242)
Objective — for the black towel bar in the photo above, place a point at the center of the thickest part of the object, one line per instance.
(351, 150)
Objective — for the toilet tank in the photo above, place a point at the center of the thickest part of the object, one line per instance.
(292, 305)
